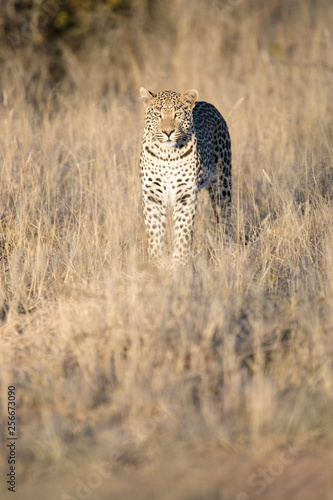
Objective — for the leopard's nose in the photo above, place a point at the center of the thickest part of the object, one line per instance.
(168, 132)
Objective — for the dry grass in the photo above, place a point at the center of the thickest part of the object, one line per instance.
(115, 362)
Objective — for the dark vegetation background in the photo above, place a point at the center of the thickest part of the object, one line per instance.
(128, 39)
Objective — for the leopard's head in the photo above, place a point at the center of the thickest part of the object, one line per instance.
(169, 115)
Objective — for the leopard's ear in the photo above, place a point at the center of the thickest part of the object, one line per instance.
(190, 97)
(147, 97)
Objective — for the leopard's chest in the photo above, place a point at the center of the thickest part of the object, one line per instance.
(167, 173)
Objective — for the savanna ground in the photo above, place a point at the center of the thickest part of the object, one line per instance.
(214, 382)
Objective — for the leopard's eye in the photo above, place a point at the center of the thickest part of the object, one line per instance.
(178, 114)
(157, 114)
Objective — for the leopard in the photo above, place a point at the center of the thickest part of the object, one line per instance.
(185, 147)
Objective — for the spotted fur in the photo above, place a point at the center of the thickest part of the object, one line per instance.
(185, 147)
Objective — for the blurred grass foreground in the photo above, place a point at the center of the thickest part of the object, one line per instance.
(131, 383)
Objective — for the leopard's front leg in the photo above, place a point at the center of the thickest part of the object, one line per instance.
(183, 219)
(154, 212)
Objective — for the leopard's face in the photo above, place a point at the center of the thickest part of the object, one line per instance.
(169, 116)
